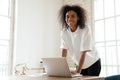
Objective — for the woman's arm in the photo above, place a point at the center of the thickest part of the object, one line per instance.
(64, 52)
(82, 60)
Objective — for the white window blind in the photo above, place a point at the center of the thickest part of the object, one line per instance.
(5, 36)
(107, 34)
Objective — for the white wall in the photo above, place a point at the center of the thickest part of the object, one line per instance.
(37, 31)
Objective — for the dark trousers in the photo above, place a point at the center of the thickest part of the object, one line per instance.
(93, 70)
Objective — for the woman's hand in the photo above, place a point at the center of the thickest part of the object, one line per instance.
(73, 72)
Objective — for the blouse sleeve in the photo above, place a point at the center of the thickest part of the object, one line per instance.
(63, 43)
(86, 42)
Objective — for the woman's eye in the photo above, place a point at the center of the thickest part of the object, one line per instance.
(67, 16)
(72, 16)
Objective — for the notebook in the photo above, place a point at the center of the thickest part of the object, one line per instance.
(58, 67)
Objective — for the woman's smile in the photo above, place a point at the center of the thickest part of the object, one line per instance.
(71, 20)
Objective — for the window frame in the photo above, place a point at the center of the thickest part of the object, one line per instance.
(12, 39)
(11, 16)
(105, 68)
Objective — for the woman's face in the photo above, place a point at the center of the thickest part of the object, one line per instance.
(71, 19)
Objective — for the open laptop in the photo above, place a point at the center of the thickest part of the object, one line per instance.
(57, 67)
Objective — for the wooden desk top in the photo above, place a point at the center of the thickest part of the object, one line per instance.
(26, 77)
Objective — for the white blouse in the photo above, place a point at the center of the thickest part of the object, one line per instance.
(78, 41)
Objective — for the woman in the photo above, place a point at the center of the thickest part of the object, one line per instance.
(76, 40)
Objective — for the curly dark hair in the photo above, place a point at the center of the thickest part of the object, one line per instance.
(81, 13)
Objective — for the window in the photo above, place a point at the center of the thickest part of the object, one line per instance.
(5, 36)
(107, 34)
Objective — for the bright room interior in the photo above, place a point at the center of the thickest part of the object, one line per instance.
(30, 30)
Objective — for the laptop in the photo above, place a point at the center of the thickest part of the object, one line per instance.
(58, 67)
